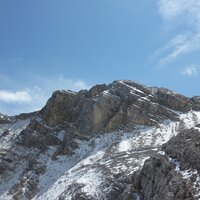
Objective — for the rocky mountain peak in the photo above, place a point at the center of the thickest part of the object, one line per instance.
(106, 143)
(110, 107)
(96, 90)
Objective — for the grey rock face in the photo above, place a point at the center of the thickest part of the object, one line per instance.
(173, 101)
(62, 106)
(4, 119)
(121, 104)
(185, 147)
(159, 180)
(196, 102)
(96, 90)
(38, 136)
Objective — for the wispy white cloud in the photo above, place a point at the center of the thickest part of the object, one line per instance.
(178, 46)
(186, 13)
(172, 10)
(35, 97)
(14, 97)
(190, 71)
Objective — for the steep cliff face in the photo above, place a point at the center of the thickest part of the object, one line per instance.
(93, 145)
(120, 105)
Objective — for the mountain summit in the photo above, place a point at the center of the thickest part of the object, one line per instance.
(119, 141)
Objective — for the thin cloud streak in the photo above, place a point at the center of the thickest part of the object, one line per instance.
(171, 10)
(34, 98)
(187, 42)
(179, 46)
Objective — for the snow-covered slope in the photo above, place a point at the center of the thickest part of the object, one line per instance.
(90, 172)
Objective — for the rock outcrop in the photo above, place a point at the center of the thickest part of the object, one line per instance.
(174, 176)
(185, 147)
(4, 119)
(159, 180)
(119, 105)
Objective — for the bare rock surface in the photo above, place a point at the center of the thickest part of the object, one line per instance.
(159, 180)
(174, 175)
(106, 108)
(185, 147)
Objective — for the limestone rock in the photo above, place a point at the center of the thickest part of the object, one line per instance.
(173, 101)
(96, 90)
(159, 180)
(106, 108)
(38, 135)
(196, 102)
(62, 106)
(185, 147)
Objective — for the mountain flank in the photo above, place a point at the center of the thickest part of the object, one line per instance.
(118, 141)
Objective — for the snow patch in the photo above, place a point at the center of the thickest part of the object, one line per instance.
(92, 181)
(125, 144)
(132, 88)
(10, 131)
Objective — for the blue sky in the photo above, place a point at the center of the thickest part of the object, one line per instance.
(47, 45)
